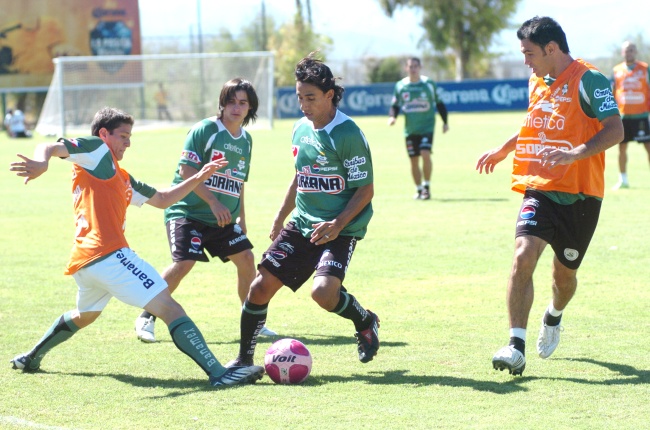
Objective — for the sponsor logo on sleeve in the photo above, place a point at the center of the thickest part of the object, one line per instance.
(191, 156)
(609, 103)
(354, 174)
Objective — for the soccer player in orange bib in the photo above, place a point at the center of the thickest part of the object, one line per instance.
(559, 162)
(102, 263)
(632, 92)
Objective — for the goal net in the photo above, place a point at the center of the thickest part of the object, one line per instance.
(158, 90)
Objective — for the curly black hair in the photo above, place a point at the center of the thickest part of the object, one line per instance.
(311, 70)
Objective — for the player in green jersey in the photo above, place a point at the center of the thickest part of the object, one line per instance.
(212, 217)
(329, 201)
(417, 97)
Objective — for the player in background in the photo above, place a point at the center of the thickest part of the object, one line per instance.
(563, 183)
(417, 96)
(212, 217)
(101, 263)
(329, 200)
(632, 92)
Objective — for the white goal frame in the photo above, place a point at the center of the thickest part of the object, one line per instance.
(82, 85)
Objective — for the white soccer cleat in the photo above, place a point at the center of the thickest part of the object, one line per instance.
(619, 185)
(548, 340)
(144, 328)
(509, 358)
(267, 332)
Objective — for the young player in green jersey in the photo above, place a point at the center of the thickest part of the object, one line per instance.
(329, 201)
(417, 97)
(212, 217)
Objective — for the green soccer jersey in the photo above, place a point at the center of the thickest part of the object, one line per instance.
(209, 140)
(417, 100)
(331, 163)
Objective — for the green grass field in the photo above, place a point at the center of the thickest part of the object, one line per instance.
(434, 271)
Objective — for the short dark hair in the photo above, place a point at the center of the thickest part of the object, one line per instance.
(228, 92)
(110, 119)
(543, 30)
(414, 59)
(311, 70)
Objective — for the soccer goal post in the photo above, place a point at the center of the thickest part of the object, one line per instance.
(158, 90)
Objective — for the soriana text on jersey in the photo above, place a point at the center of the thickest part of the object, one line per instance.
(309, 182)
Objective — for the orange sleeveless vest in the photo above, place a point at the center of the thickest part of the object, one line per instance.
(100, 215)
(632, 91)
(556, 119)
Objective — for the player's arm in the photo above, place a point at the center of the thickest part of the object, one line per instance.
(442, 110)
(221, 213)
(394, 108)
(33, 168)
(288, 205)
(241, 219)
(491, 158)
(392, 114)
(167, 197)
(596, 101)
(360, 199)
(610, 135)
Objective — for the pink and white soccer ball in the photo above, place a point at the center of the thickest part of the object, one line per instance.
(287, 361)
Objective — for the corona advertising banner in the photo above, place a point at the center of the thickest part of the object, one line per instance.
(33, 32)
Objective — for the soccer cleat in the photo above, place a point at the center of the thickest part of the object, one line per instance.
(548, 340)
(425, 195)
(238, 375)
(418, 195)
(144, 328)
(22, 362)
(620, 184)
(368, 340)
(265, 331)
(509, 358)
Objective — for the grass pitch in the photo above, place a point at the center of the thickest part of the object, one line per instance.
(434, 271)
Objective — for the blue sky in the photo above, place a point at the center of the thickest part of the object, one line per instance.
(594, 28)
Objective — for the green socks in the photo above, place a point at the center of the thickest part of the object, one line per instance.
(189, 340)
(61, 330)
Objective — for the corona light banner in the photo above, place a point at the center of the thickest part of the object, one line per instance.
(33, 32)
(466, 96)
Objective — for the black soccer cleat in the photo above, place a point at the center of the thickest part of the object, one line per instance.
(368, 340)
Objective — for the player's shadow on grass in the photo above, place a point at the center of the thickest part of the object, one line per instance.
(178, 387)
(628, 375)
(405, 377)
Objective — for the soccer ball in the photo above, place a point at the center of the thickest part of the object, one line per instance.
(287, 361)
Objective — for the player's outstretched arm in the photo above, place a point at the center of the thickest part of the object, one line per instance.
(167, 197)
(221, 213)
(33, 168)
(491, 158)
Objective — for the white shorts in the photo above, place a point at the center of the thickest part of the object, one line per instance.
(122, 275)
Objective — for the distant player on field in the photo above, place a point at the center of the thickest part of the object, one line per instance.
(559, 165)
(102, 263)
(330, 202)
(417, 97)
(212, 217)
(632, 92)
